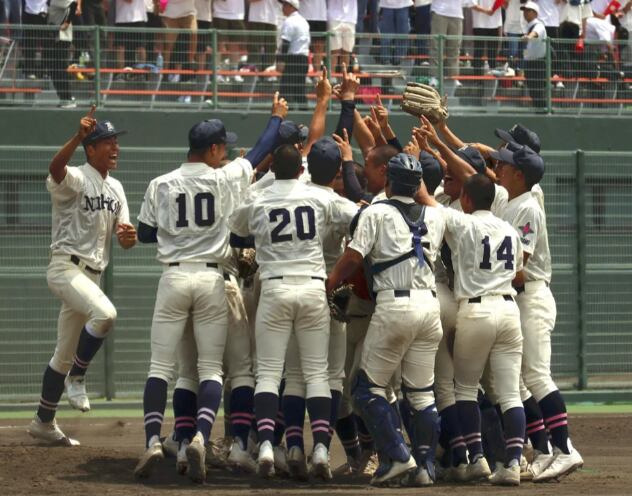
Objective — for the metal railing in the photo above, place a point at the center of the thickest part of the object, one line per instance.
(158, 68)
(588, 198)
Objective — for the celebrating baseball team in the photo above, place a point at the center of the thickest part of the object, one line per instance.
(404, 303)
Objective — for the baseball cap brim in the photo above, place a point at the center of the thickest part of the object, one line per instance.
(504, 155)
(103, 136)
(504, 135)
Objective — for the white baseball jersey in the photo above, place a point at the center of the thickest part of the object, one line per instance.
(289, 221)
(190, 207)
(525, 214)
(383, 235)
(334, 236)
(86, 210)
(498, 205)
(486, 254)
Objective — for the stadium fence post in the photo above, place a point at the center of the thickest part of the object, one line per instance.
(328, 63)
(97, 66)
(548, 74)
(580, 202)
(214, 65)
(108, 345)
(440, 63)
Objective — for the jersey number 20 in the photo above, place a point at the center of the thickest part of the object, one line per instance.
(504, 253)
(203, 207)
(305, 223)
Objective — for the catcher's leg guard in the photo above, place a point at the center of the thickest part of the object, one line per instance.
(380, 418)
(425, 428)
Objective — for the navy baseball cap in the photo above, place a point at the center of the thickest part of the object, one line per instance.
(209, 132)
(521, 135)
(291, 133)
(103, 129)
(473, 157)
(524, 159)
(432, 171)
(324, 154)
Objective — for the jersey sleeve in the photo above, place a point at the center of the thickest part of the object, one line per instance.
(123, 215)
(455, 221)
(147, 213)
(71, 185)
(238, 222)
(239, 174)
(287, 31)
(365, 234)
(343, 211)
(519, 255)
(528, 223)
(501, 198)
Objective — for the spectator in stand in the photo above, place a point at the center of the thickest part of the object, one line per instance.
(367, 21)
(447, 19)
(512, 29)
(34, 14)
(92, 14)
(154, 41)
(572, 27)
(422, 27)
(486, 21)
(292, 59)
(535, 54)
(315, 12)
(625, 19)
(550, 17)
(342, 16)
(394, 19)
(179, 14)
(262, 16)
(61, 13)
(230, 15)
(129, 45)
(204, 17)
(10, 11)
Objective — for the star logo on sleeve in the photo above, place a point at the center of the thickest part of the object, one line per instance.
(526, 229)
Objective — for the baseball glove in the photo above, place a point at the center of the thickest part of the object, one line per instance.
(421, 99)
(338, 301)
(246, 263)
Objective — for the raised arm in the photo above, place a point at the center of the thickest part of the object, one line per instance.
(268, 139)
(57, 167)
(362, 133)
(350, 85)
(449, 137)
(317, 125)
(380, 114)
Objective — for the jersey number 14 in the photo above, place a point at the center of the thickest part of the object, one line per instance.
(504, 253)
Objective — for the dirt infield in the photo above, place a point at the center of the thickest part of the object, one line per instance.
(103, 465)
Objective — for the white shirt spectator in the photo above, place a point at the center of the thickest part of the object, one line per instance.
(203, 10)
(599, 7)
(513, 18)
(342, 11)
(395, 4)
(229, 9)
(35, 6)
(599, 30)
(313, 10)
(133, 11)
(484, 21)
(264, 11)
(422, 3)
(549, 12)
(179, 8)
(536, 47)
(448, 8)
(576, 13)
(295, 30)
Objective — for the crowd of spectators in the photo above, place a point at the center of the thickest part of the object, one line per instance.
(578, 20)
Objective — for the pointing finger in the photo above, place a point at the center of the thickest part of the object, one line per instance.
(379, 100)
(91, 112)
(275, 99)
(344, 70)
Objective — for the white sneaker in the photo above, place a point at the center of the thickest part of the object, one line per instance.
(280, 461)
(397, 469)
(479, 470)
(320, 462)
(297, 464)
(541, 461)
(196, 456)
(152, 455)
(67, 104)
(457, 83)
(238, 79)
(265, 462)
(76, 392)
(458, 473)
(182, 463)
(561, 465)
(420, 478)
(240, 459)
(559, 85)
(506, 476)
(170, 446)
(50, 433)
(173, 78)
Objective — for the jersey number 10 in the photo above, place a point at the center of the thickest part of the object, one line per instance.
(504, 253)
(203, 207)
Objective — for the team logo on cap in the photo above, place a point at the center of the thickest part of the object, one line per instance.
(109, 126)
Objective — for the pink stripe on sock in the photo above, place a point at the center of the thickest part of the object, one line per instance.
(249, 416)
(555, 417)
(46, 402)
(80, 362)
(320, 422)
(558, 424)
(184, 424)
(266, 421)
(537, 422)
(265, 428)
(539, 428)
(514, 445)
(473, 434)
(462, 443)
(319, 429)
(514, 439)
(240, 422)
(178, 419)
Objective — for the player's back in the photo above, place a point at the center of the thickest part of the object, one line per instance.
(288, 220)
(191, 206)
(486, 254)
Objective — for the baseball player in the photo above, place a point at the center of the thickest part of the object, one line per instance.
(89, 206)
(185, 212)
(324, 162)
(399, 238)
(288, 221)
(519, 169)
(487, 256)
